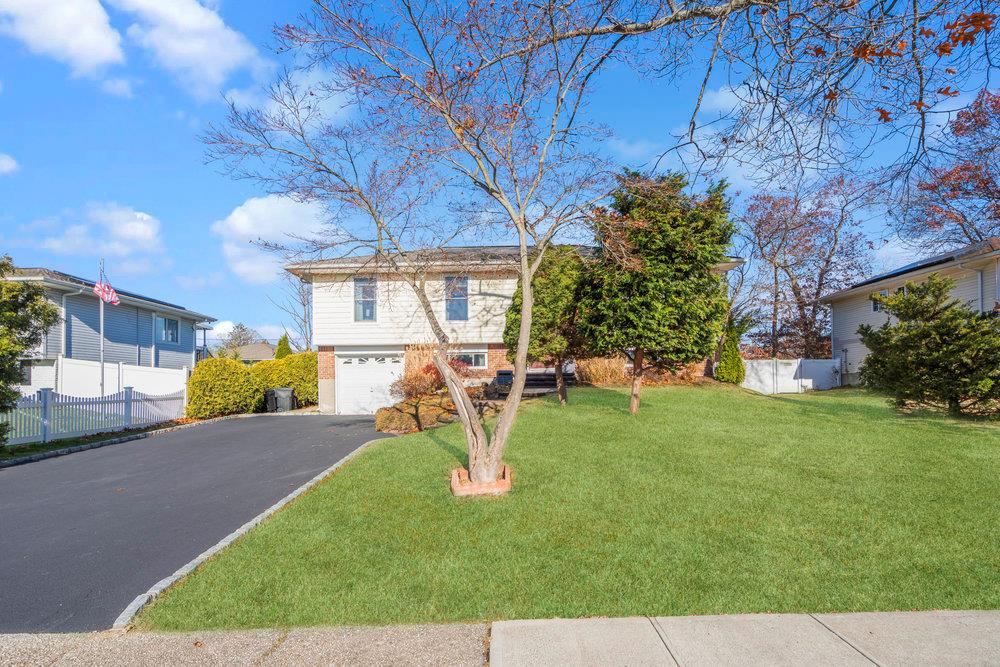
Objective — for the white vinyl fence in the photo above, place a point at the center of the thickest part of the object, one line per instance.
(791, 376)
(83, 378)
(50, 416)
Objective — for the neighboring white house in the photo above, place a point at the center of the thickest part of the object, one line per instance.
(369, 327)
(975, 269)
(142, 337)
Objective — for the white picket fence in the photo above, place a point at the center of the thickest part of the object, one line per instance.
(791, 376)
(48, 416)
(77, 377)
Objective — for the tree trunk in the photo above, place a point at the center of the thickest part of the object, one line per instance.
(485, 452)
(560, 382)
(774, 317)
(955, 407)
(633, 404)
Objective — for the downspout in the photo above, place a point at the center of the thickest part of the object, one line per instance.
(65, 334)
(979, 289)
(65, 321)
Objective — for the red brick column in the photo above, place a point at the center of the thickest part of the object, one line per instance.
(326, 362)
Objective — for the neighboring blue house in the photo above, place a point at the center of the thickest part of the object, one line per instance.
(139, 331)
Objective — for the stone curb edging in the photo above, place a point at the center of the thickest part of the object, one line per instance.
(41, 456)
(130, 612)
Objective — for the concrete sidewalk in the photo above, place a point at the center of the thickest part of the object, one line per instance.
(885, 638)
(904, 638)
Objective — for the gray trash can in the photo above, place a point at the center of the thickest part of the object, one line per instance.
(284, 398)
(280, 399)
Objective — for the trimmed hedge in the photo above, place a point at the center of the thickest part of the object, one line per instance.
(298, 371)
(220, 387)
(731, 367)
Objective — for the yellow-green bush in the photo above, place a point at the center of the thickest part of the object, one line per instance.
(222, 387)
(297, 371)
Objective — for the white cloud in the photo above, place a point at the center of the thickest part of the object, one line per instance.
(270, 332)
(200, 282)
(894, 253)
(191, 41)
(221, 329)
(722, 100)
(270, 218)
(128, 230)
(8, 165)
(636, 152)
(76, 32)
(130, 239)
(313, 83)
(118, 87)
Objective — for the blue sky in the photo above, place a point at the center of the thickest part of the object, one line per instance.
(101, 106)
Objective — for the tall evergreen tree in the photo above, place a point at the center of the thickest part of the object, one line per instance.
(284, 348)
(655, 295)
(934, 351)
(554, 335)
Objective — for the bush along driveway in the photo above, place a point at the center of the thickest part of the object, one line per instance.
(710, 501)
(84, 534)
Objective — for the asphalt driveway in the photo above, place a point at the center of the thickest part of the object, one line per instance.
(82, 535)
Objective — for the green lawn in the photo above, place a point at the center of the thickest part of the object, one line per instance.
(711, 500)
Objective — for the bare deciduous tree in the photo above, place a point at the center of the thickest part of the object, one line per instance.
(239, 336)
(814, 84)
(809, 245)
(296, 303)
(433, 149)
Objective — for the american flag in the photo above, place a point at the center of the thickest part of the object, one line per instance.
(104, 291)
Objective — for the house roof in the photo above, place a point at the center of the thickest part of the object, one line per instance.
(443, 258)
(256, 351)
(980, 249)
(66, 282)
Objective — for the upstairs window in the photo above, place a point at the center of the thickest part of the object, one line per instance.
(168, 330)
(876, 306)
(365, 299)
(456, 298)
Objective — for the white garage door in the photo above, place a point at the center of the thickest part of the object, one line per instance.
(363, 382)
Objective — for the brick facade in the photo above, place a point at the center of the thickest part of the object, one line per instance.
(326, 361)
(417, 357)
(497, 358)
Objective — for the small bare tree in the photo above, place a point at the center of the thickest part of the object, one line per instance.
(295, 302)
(434, 150)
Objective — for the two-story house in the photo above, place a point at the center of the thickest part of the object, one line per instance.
(975, 269)
(370, 328)
(139, 331)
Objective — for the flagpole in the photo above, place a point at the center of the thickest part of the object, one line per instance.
(100, 301)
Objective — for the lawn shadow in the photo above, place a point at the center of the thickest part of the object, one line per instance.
(460, 455)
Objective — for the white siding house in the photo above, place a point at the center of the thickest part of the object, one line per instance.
(139, 331)
(369, 326)
(974, 268)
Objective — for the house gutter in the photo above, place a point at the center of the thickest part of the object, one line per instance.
(125, 298)
(916, 273)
